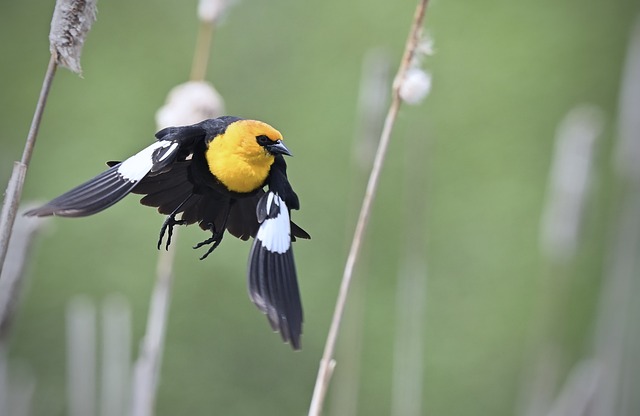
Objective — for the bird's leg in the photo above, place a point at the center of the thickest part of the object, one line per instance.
(169, 223)
(214, 240)
(216, 237)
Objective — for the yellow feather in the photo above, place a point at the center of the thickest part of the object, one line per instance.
(236, 158)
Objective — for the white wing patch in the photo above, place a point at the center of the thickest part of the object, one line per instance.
(137, 166)
(275, 233)
(169, 152)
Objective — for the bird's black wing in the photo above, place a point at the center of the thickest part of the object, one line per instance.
(174, 144)
(243, 219)
(273, 284)
(272, 277)
(279, 183)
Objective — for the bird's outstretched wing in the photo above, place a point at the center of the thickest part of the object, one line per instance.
(273, 283)
(109, 187)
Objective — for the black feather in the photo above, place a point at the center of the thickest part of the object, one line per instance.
(273, 287)
(89, 198)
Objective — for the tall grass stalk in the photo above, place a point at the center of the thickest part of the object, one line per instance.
(13, 194)
(17, 385)
(203, 48)
(71, 22)
(81, 357)
(11, 282)
(411, 289)
(116, 356)
(327, 361)
(146, 372)
(616, 337)
(16, 390)
(560, 236)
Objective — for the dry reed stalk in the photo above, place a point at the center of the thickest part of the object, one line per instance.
(616, 335)
(116, 356)
(146, 372)
(203, 48)
(581, 385)
(327, 362)
(81, 357)
(16, 390)
(11, 282)
(17, 385)
(411, 290)
(71, 22)
(567, 199)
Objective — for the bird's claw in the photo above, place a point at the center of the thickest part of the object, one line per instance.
(167, 227)
(214, 240)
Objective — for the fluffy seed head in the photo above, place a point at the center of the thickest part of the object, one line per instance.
(190, 103)
(71, 22)
(415, 86)
(212, 10)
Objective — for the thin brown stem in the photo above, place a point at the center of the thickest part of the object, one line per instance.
(16, 182)
(327, 362)
(203, 49)
(146, 372)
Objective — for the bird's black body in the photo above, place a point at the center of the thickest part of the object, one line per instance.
(175, 175)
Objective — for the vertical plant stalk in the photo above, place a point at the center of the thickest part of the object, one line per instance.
(567, 202)
(70, 24)
(146, 373)
(203, 50)
(13, 193)
(411, 290)
(616, 337)
(16, 390)
(81, 357)
(11, 281)
(327, 362)
(115, 384)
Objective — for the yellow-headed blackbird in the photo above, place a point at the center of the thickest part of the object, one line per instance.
(213, 173)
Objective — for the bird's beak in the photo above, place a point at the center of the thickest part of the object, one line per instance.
(278, 149)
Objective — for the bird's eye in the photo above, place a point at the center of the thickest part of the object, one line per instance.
(263, 140)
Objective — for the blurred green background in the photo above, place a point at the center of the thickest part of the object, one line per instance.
(504, 75)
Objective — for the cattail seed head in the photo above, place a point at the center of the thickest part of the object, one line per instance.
(190, 103)
(212, 10)
(71, 22)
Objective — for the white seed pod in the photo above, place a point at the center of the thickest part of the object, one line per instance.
(190, 103)
(212, 10)
(415, 86)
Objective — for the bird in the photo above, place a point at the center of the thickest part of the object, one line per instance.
(214, 173)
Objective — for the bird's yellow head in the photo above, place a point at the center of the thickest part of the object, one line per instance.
(241, 157)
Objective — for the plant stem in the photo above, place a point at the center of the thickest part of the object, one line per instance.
(327, 362)
(146, 372)
(203, 49)
(16, 182)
